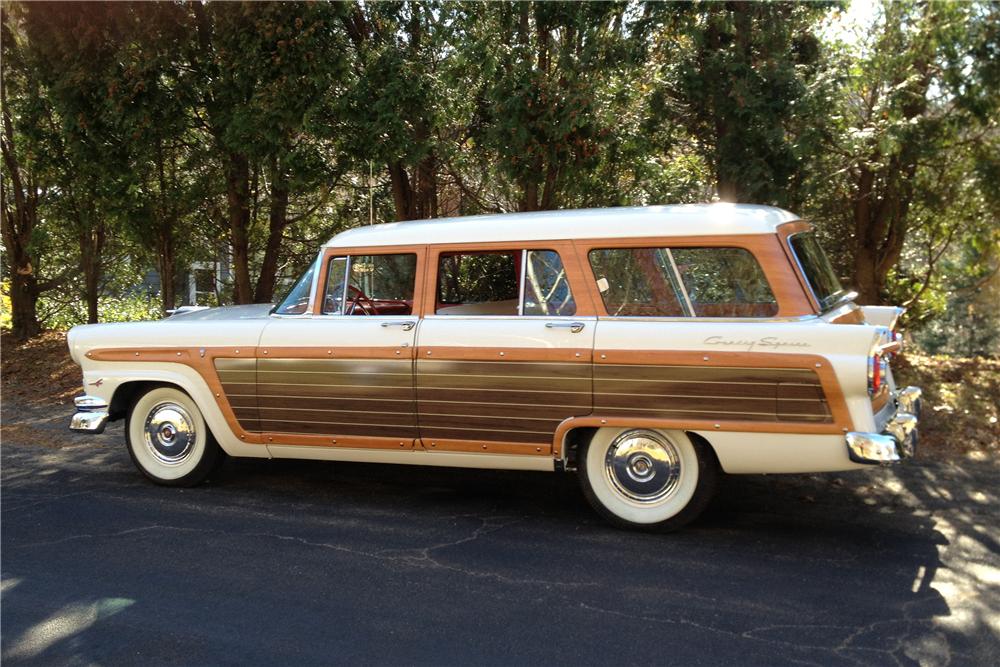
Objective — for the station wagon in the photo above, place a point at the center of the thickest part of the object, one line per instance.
(646, 349)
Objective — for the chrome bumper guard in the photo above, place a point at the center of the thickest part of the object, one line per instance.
(897, 441)
(91, 415)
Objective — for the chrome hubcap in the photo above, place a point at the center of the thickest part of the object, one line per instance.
(169, 433)
(643, 466)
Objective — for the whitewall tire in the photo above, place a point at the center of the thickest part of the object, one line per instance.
(168, 439)
(645, 478)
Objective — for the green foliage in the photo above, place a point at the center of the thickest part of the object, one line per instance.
(61, 315)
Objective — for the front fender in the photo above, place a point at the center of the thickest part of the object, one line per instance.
(103, 380)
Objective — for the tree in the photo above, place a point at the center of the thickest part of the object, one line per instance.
(739, 78)
(897, 152)
(24, 189)
(538, 72)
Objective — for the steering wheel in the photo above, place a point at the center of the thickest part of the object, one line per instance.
(360, 299)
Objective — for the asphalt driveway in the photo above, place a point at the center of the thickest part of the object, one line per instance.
(319, 563)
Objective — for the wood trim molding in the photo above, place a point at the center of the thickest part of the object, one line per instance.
(485, 447)
(333, 352)
(350, 441)
(783, 232)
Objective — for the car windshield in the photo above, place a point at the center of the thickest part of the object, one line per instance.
(297, 300)
(817, 269)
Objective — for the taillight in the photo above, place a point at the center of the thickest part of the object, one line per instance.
(885, 344)
(876, 373)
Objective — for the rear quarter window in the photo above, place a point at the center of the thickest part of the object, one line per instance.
(682, 282)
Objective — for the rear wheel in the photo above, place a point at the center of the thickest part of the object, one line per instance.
(647, 479)
(168, 439)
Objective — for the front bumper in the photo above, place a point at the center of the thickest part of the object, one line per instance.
(91, 415)
(898, 439)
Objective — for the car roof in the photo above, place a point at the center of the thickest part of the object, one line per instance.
(590, 223)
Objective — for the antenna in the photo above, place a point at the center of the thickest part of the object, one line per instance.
(371, 193)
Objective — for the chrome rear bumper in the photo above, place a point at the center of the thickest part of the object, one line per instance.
(897, 441)
(91, 415)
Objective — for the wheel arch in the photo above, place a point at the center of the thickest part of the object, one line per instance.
(571, 440)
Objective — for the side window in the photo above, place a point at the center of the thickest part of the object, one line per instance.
(546, 288)
(724, 282)
(489, 283)
(478, 283)
(636, 282)
(381, 285)
(370, 285)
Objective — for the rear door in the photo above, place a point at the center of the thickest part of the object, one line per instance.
(504, 351)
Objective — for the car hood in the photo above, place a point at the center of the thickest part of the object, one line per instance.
(252, 311)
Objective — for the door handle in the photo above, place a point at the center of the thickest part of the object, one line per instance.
(407, 325)
(574, 327)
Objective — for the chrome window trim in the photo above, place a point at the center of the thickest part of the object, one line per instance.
(679, 283)
(524, 276)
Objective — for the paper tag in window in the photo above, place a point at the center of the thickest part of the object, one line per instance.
(602, 284)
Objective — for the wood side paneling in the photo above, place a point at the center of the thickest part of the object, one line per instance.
(465, 402)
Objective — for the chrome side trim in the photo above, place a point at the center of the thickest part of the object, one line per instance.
(680, 283)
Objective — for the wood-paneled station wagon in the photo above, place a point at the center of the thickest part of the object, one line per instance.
(644, 348)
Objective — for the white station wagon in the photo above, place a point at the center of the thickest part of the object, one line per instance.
(647, 349)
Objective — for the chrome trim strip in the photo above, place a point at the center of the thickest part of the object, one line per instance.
(524, 274)
(711, 411)
(303, 421)
(680, 283)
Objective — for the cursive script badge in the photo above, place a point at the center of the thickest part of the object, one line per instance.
(767, 342)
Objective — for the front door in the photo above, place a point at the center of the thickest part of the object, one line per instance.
(504, 354)
(342, 375)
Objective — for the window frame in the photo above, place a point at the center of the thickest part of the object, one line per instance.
(330, 254)
(522, 279)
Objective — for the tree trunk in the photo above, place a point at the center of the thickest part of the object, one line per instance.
(165, 265)
(402, 193)
(17, 223)
(277, 221)
(91, 257)
(24, 306)
(238, 200)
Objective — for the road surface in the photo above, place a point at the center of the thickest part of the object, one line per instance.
(299, 563)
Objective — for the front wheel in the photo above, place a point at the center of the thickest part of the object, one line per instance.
(168, 439)
(647, 479)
